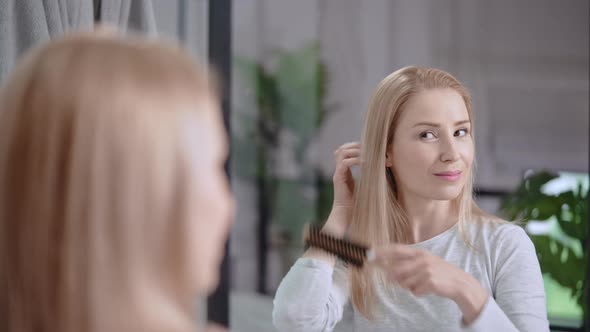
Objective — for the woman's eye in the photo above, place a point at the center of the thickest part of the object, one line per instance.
(427, 135)
(462, 132)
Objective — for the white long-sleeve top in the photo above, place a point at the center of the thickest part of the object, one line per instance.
(314, 296)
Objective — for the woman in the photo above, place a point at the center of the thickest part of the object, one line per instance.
(442, 264)
(114, 205)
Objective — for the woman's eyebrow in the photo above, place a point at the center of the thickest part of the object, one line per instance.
(431, 124)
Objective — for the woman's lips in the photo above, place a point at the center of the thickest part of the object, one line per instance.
(450, 176)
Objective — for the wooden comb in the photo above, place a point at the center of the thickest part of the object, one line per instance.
(348, 251)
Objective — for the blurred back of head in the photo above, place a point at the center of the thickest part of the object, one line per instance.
(96, 189)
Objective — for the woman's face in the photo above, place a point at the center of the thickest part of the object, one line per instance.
(213, 206)
(432, 149)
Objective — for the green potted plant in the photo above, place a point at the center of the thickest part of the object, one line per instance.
(562, 249)
(291, 108)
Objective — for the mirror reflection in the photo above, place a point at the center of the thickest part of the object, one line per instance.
(319, 117)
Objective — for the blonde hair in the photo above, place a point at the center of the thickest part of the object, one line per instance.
(378, 217)
(95, 190)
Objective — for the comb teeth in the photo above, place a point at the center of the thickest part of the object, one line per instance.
(349, 252)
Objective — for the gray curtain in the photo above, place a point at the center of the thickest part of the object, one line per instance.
(26, 23)
(137, 15)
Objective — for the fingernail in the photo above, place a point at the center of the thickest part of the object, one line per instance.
(371, 255)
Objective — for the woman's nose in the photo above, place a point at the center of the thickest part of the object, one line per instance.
(449, 151)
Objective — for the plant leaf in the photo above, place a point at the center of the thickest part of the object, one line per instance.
(561, 263)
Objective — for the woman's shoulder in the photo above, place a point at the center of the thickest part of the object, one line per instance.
(497, 232)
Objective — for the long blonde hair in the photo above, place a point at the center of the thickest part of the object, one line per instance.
(378, 217)
(94, 187)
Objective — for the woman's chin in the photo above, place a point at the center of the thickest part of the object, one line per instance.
(206, 282)
(446, 194)
(212, 282)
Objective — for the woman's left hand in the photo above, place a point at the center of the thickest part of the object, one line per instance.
(423, 273)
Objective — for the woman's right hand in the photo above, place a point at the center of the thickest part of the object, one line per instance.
(346, 156)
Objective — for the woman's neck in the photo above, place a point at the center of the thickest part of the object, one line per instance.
(428, 218)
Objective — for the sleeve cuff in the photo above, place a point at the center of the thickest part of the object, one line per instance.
(491, 318)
